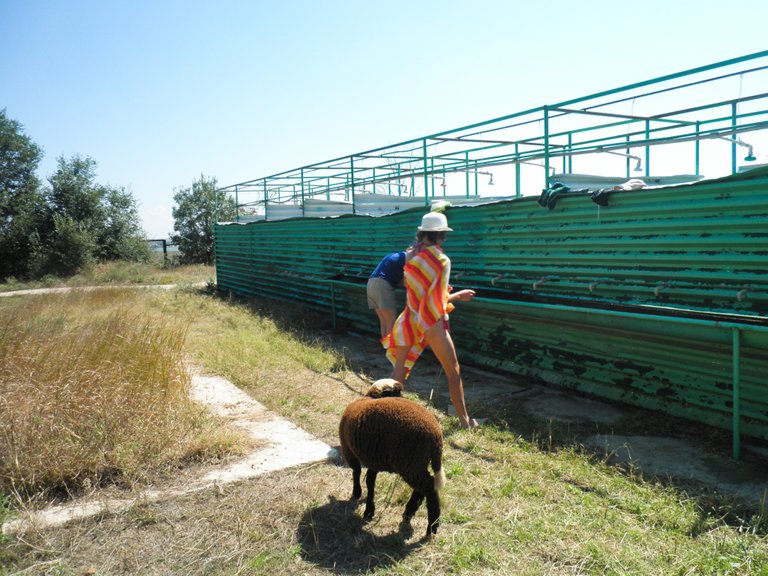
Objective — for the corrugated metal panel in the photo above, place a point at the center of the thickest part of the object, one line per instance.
(625, 301)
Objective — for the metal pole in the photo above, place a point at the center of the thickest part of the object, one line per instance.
(426, 169)
(733, 139)
(352, 180)
(546, 147)
(302, 193)
(698, 153)
(266, 199)
(736, 394)
(432, 177)
(647, 148)
(333, 306)
(466, 172)
(628, 158)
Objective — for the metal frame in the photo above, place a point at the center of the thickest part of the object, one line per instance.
(535, 140)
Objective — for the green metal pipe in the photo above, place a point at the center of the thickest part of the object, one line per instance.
(627, 150)
(647, 148)
(432, 178)
(736, 394)
(546, 147)
(352, 181)
(698, 148)
(333, 306)
(426, 172)
(669, 77)
(562, 104)
(634, 315)
(302, 191)
(466, 172)
(733, 138)
(266, 198)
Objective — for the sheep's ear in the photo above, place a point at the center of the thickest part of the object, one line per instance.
(373, 392)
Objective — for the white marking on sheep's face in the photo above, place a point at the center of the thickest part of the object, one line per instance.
(384, 386)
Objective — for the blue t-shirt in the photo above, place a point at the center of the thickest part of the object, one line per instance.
(391, 268)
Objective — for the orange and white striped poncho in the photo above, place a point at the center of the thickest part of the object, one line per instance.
(426, 284)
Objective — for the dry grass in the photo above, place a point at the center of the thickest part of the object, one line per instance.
(120, 274)
(522, 497)
(92, 387)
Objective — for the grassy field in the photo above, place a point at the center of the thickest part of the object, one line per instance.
(522, 497)
(94, 389)
(121, 274)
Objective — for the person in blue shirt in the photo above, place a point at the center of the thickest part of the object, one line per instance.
(387, 276)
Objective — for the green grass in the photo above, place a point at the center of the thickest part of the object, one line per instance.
(516, 506)
(522, 497)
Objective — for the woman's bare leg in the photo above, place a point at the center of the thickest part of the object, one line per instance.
(398, 371)
(440, 342)
(386, 320)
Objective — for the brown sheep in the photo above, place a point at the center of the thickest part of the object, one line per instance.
(388, 433)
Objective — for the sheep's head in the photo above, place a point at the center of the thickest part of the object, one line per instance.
(385, 387)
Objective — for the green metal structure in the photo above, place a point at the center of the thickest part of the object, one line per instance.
(656, 297)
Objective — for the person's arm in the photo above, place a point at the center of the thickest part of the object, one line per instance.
(463, 295)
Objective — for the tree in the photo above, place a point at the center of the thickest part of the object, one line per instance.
(85, 221)
(120, 236)
(194, 217)
(21, 202)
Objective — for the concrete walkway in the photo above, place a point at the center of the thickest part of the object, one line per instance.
(280, 445)
(63, 289)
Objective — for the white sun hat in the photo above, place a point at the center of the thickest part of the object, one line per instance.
(434, 222)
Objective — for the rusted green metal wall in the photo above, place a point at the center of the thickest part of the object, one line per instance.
(656, 297)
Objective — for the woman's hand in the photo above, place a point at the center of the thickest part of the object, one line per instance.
(463, 295)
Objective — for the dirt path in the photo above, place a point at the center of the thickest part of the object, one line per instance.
(64, 289)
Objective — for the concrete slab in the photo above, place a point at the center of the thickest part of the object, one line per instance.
(673, 457)
(558, 406)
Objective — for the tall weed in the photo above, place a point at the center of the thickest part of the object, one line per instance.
(92, 386)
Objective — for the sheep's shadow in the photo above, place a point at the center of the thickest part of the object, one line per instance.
(334, 537)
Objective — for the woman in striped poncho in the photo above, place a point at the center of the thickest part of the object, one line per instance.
(424, 322)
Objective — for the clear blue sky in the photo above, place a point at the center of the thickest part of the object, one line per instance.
(160, 92)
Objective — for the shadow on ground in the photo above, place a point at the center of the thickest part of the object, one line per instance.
(334, 537)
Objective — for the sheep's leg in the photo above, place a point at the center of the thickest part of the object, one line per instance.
(357, 490)
(370, 484)
(423, 485)
(413, 505)
(433, 511)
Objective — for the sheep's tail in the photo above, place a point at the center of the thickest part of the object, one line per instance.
(440, 480)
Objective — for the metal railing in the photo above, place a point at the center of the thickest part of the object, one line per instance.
(687, 115)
